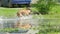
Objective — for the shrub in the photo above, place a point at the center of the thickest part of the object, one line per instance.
(44, 6)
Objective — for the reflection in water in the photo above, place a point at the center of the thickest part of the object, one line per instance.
(24, 21)
(10, 22)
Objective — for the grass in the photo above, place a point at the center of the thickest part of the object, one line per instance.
(53, 33)
(50, 33)
(8, 12)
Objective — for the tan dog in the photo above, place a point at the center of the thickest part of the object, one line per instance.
(23, 12)
(20, 13)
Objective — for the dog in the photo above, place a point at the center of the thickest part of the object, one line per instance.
(23, 12)
(20, 13)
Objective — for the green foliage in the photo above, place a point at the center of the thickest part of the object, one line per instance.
(44, 6)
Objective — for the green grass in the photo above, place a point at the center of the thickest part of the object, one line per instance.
(55, 10)
(53, 33)
(8, 12)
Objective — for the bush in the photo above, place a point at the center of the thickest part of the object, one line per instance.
(44, 6)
